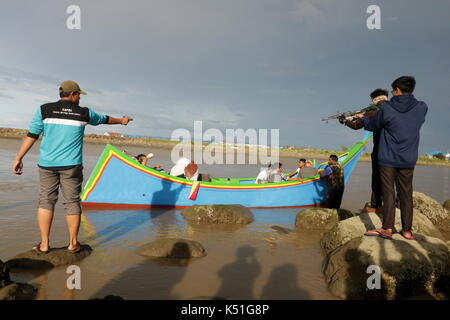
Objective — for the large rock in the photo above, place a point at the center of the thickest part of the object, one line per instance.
(4, 275)
(321, 218)
(433, 210)
(355, 227)
(18, 291)
(173, 248)
(226, 214)
(408, 268)
(14, 291)
(56, 257)
(446, 204)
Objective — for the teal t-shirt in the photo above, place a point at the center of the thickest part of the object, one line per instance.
(62, 124)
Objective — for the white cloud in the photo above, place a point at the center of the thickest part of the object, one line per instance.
(153, 114)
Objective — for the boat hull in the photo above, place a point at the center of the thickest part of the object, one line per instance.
(119, 181)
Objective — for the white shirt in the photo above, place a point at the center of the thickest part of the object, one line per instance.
(263, 176)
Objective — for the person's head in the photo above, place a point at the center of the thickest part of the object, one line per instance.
(278, 166)
(301, 163)
(403, 85)
(309, 164)
(70, 90)
(379, 95)
(141, 158)
(333, 159)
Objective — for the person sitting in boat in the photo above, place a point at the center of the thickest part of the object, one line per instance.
(301, 164)
(334, 174)
(278, 174)
(185, 168)
(143, 159)
(305, 170)
(264, 174)
(308, 171)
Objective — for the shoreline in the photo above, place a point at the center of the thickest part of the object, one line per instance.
(95, 139)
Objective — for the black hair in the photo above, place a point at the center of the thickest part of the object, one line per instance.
(302, 160)
(63, 94)
(406, 84)
(378, 92)
(140, 155)
(278, 164)
(334, 157)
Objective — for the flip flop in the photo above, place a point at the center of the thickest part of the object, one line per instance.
(37, 248)
(385, 236)
(77, 249)
(372, 233)
(411, 237)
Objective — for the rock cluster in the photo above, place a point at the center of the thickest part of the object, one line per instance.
(406, 268)
(362, 267)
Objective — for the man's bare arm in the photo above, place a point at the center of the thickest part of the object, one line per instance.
(123, 121)
(27, 143)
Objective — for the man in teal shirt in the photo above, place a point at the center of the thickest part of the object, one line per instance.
(60, 163)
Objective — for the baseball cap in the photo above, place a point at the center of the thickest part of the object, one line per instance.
(70, 86)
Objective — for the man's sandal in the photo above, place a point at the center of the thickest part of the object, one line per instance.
(372, 233)
(411, 237)
(37, 248)
(77, 249)
(385, 236)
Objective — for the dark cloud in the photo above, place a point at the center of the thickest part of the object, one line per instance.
(249, 64)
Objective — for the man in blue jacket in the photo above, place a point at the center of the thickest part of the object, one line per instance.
(60, 161)
(399, 121)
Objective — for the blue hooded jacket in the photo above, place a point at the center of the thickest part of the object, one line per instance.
(399, 120)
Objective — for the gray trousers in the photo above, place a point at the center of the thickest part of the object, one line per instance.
(69, 180)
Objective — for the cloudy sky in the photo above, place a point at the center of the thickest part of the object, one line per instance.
(231, 63)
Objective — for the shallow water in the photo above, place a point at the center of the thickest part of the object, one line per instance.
(251, 262)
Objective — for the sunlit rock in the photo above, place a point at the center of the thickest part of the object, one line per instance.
(321, 218)
(375, 268)
(434, 211)
(355, 227)
(56, 257)
(221, 214)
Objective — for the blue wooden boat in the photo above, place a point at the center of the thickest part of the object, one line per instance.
(119, 180)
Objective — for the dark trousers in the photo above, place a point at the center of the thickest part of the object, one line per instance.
(334, 197)
(376, 199)
(403, 179)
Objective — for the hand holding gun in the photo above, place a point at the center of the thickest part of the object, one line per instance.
(350, 115)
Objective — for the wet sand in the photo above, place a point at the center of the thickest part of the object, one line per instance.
(252, 262)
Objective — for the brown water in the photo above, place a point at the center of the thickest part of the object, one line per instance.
(252, 262)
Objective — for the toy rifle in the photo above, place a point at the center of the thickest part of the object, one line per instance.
(350, 114)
